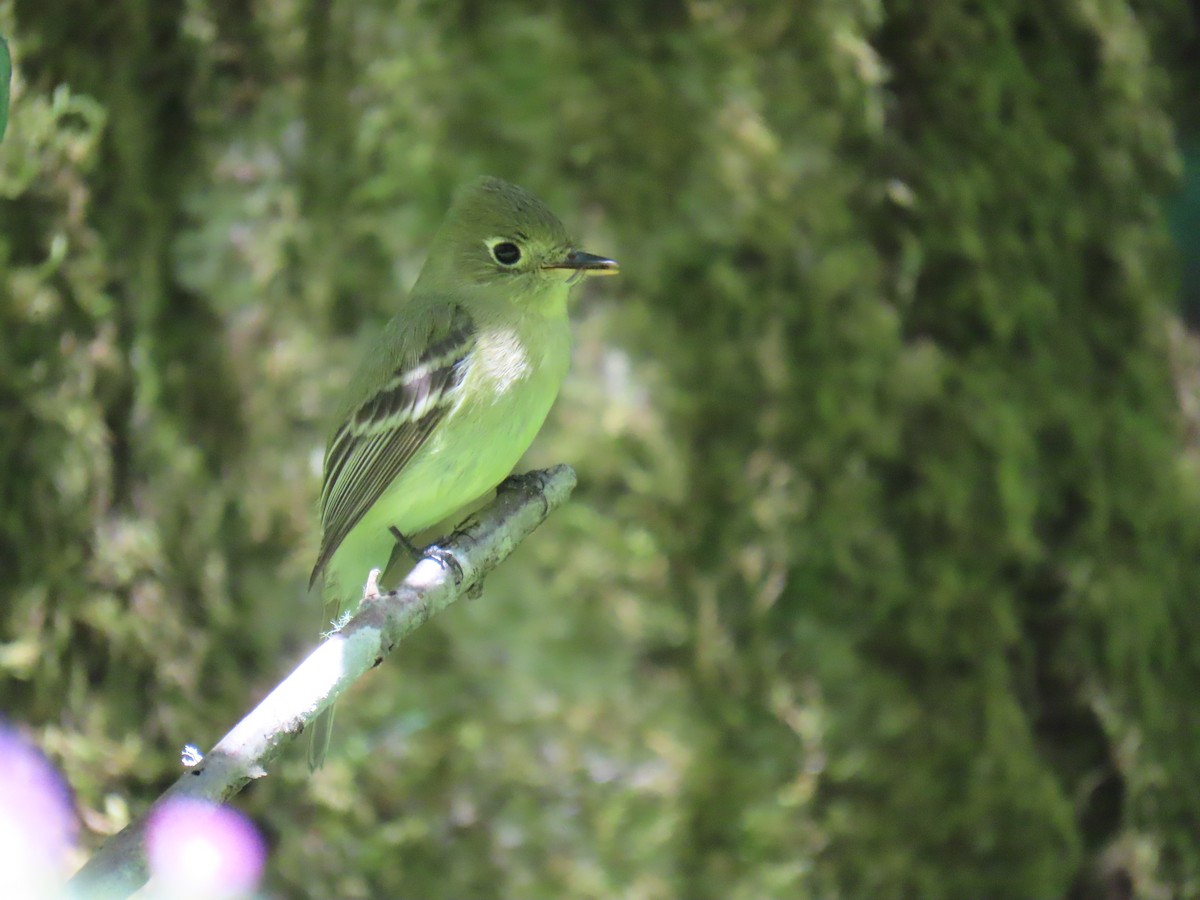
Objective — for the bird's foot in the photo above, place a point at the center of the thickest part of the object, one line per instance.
(517, 481)
(445, 559)
(534, 481)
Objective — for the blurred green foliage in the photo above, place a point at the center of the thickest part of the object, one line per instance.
(5, 79)
(880, 578)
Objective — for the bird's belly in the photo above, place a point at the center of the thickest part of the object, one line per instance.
(447, 478)
(474, 447)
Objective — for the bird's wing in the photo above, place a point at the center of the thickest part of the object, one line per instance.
(381, 435)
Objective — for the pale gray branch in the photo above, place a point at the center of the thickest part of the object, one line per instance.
(119, 867)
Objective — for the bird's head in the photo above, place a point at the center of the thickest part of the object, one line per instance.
(497, 234)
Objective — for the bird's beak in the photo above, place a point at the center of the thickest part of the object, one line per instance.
(585, 264)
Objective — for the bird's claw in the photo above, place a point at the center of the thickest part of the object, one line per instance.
(445, 559)
(516, 481)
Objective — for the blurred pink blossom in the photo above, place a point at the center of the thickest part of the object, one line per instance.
(37, 820)
(201, 849)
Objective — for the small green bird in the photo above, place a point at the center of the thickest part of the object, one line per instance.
(453, 392)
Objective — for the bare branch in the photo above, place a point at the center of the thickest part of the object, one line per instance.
(522, 503)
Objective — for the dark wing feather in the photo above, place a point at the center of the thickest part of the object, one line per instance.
(383, 433)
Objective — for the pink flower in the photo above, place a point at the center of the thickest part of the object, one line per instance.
(201, 849)
(37, 820)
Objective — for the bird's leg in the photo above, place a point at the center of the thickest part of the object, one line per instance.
(408, 546)
(443, 558)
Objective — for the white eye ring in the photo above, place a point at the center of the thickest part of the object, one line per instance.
(504, 251)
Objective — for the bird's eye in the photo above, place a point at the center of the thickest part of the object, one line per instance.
(507, 253)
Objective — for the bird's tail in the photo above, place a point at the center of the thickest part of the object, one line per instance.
(322, 731)
(322, 725)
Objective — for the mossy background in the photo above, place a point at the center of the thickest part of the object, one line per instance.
(881, 580)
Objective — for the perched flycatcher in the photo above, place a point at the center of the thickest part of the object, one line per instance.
(454, 390)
